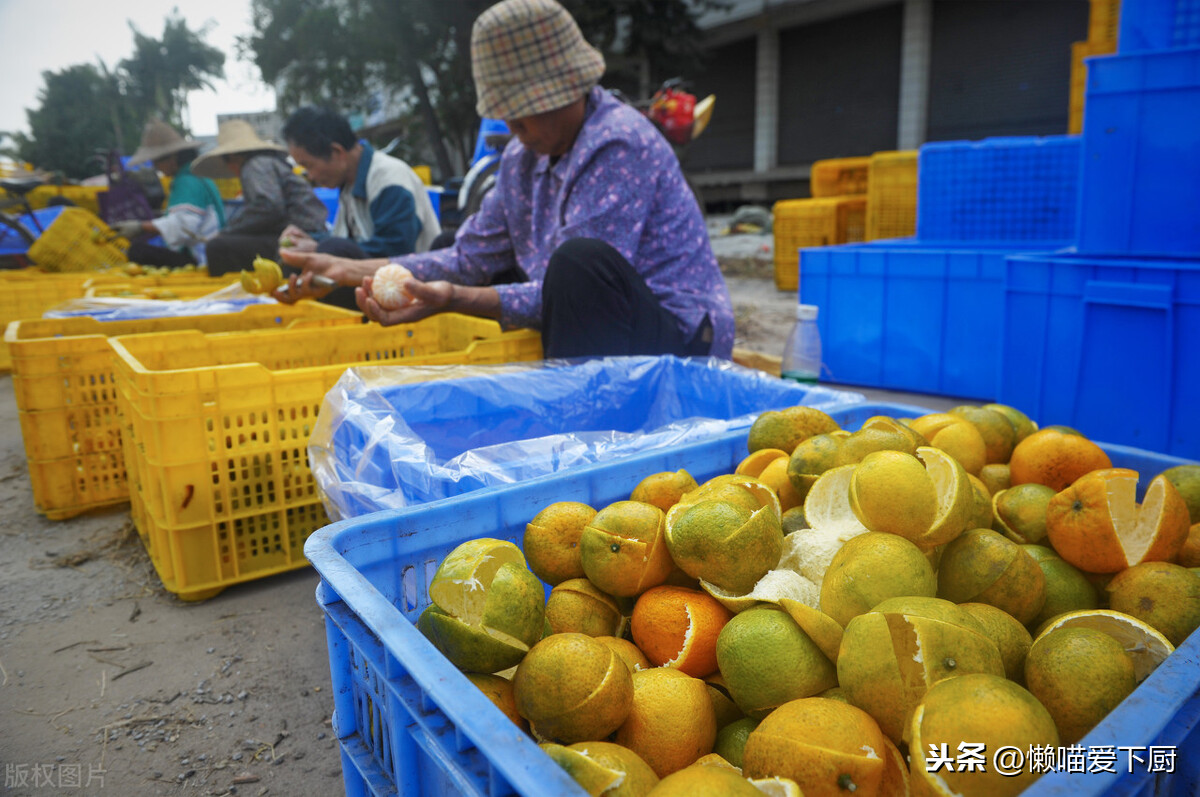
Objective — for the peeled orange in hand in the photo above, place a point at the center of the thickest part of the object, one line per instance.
(1097, 525)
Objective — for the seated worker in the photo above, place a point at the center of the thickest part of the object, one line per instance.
(383, 207)
(195, 210)
(591, 233)
(274, 197)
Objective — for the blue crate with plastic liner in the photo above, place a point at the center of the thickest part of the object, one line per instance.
(1141, 155)
(905, 315)
(1158, 25)
(409, 723)
(390, 437)
(1105, 345)
(1023, 189)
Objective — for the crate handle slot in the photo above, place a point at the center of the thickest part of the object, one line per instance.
(1129, 294)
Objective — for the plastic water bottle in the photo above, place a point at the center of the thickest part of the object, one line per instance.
(802, 354)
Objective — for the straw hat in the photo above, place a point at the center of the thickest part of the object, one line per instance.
(235, 136)
(159, 139)
(529, 57)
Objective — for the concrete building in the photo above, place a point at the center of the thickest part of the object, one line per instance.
(268, 124)
(802, 80)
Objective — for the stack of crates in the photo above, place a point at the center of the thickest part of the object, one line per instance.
(892, 195)
(925, 314)
(835, 215)
(215, 433)
(1101, 338)
(1103, 20)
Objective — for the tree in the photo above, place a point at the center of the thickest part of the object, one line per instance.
(161, 72)
(73, 120)
(338, 52)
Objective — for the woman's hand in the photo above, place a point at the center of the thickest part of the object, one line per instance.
(428, 298)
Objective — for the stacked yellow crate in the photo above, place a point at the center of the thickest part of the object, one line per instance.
(1102, 40)
(835, 215)
(892, 195)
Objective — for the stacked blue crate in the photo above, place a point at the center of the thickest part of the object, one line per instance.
(1100, 338)
(926, 314)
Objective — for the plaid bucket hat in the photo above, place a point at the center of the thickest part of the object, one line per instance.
(529, 57)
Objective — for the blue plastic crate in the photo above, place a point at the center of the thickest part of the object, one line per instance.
(1105, 345)
(330, 199)
(409, 723)
(1158, 25)
(905, 315)
(999, 190)
(1141, 155)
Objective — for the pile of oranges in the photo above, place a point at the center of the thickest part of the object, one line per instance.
(841, 603)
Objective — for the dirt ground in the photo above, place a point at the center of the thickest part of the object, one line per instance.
(111, 686)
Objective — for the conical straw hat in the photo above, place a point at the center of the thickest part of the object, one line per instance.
(159, 139)
(235, 136)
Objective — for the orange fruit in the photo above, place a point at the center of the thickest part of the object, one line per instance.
(754, 464)
(654, 729)
(982, 566)
(1067, 588)
(999, 435)
(678, 627)
(500, 692)
(980, 709)
(955, 435)
(1012, 638)
(726, 710)
(775, 476)
(1146, 646)
(1167, 596)
(1055, 459)
(995, 477)
(551, 542)
(724, 543)
(604, 769)
(1079, 675)
(1189, 552)
(981, 515)
(854, 448)
(1097, 525)
(767, 659)
(1020, 421)
(572, 688)
(1019, 512)
(629, 653)
(811, 458)
(785, 429)
(892, 654)
(705, 782)
(870, 568)
(927, 499)
(1186, 479)
(577, 605)
(826, 746)
(487, 607)
(663, 490)
(731, 740)
(623, 549)
(895, 781)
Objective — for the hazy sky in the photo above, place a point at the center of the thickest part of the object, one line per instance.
(41, 35)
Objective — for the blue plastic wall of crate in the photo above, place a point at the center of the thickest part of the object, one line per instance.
(997, 190)
(1158, 25)
(1141, 155)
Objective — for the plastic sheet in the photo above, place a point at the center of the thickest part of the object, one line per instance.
(230, 299)
(394, 436)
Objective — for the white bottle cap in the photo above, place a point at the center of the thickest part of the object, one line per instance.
(806, 312)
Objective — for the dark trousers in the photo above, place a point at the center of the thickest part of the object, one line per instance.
(145, 254)
(594, 304)
(232, 252)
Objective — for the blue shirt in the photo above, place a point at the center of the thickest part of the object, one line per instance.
(620, 183)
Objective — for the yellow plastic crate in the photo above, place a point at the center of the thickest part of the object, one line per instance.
(77, 241)
(84, 196)
(1104, 20)
(67, 400)
(192, 289)
(813, 222)
(28, 294)
(892, 195)
(1079, 51)
(840, 176)
(216, 433)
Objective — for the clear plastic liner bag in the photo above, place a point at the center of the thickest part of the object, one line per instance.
(230, 299)
(393, 436)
